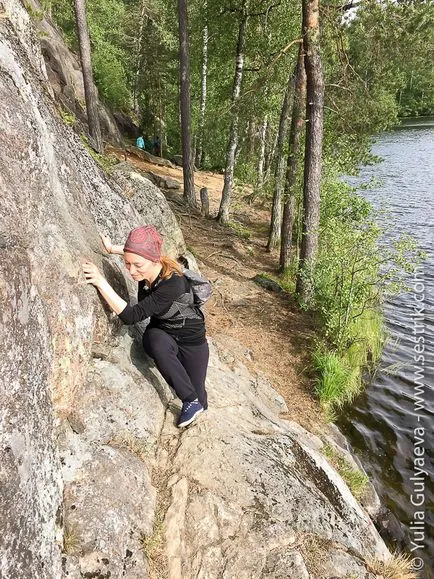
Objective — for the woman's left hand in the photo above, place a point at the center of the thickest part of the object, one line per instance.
(92, 273)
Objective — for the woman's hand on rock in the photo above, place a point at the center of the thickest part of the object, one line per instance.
(106, 241)
(92, 274)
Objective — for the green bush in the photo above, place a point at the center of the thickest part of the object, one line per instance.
(353, 274)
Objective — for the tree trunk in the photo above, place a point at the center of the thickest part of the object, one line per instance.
(262, 141)
(89, 87)
(204, 202)
(184, 83)
(200, 153)
(276, 211)
(269, 156)
(297, 125)
(313, 149)
(251, 130)
(139, 57)
(223, 214)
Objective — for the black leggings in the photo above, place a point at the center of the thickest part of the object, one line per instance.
(183, 367)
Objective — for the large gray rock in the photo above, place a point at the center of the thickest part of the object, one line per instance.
(54, 200)
(106, 451)
(151, 203)
(65, 77)
(164, 181)
(30, 482)
(249, 491)
(244, 493)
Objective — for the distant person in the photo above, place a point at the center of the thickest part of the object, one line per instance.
(157, 146)
(175, 337)
(140, 143)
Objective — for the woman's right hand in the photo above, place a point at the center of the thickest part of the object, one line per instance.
(92, 274)
(106, 241)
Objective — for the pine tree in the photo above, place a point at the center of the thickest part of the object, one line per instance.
(89, 87)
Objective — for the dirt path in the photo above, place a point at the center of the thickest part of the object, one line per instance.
(276, 336)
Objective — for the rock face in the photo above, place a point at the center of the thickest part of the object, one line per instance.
(54, 201)
(250, 493)
(64, 75)
(95, 478)
(151, 204)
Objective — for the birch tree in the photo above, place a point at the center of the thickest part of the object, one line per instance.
(276, 210)
(200, 153)
(223, 214)
(184, 93)
(138, 56)
(296, 131)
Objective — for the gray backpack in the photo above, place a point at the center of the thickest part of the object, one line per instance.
(200, 287)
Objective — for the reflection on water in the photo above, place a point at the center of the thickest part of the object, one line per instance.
(416, 123)
(382, 424)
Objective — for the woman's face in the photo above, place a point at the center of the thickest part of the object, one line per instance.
(139, 267)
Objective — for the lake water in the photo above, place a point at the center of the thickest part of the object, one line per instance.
(391, 424)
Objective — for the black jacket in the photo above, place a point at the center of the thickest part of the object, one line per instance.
(170, 305)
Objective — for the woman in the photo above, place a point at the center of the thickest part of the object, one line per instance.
(175, 337)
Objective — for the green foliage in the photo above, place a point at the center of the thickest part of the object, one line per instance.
(355, 479)
(110, 76)
(285, 281)
(334, 378)
(377, 65)
(68, 118)
(110, 43)
(353, 274)
(391, 45)
(36, 15)
(239, 229)
(106, 163)
(355, 270)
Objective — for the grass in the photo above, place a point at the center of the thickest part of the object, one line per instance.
(339, 378)
(70, 540)
(240, 230)
(68, 118)
(367, 335)
(397, 566)
(355, 479)
(314, 550)
(153, 548)
(334, 377)
(286, 282)
(130, 442)
(36, 15)
(106, 163)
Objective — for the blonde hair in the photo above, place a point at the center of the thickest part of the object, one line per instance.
(170, 266)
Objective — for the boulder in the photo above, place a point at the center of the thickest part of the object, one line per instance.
(151, 204)
(267, 283)
(55, 199)
(164, 181)
(250, 493)
(126, 125)
(147, 157)
(177, 160)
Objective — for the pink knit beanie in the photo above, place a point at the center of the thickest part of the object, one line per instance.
(145, 241)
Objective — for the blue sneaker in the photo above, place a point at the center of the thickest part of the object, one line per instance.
(190, 411)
